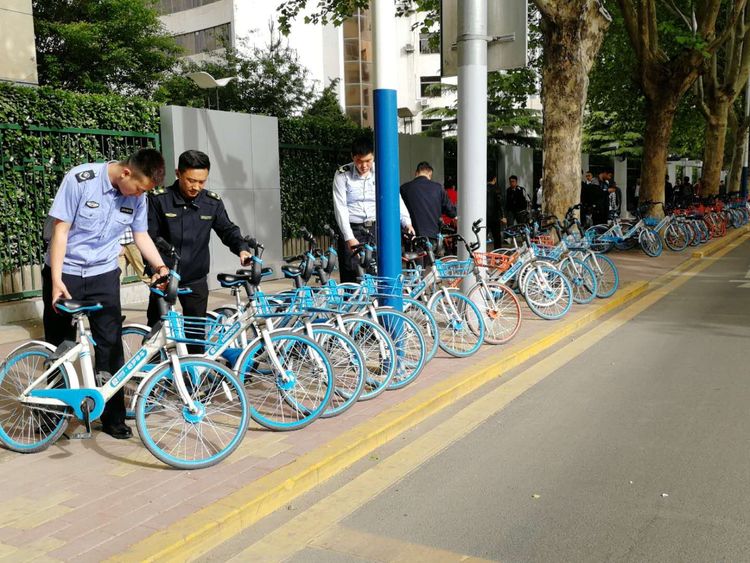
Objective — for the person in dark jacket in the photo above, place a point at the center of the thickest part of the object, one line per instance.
(184, 214)
(516, 202)
(426, 201)
(495, 211)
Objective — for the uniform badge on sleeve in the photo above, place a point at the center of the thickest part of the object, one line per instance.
(85, 175)
(92, 204)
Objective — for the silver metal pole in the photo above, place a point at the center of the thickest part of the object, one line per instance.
(472, 117)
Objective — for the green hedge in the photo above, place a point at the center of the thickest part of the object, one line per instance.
(311, 149)
(37, 148)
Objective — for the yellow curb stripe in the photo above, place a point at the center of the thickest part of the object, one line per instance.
(211, 526)
(314, 523)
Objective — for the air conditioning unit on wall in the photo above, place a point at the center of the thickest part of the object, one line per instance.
(408, 48)
(423, 102)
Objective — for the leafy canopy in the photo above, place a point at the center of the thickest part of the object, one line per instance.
(100, 46)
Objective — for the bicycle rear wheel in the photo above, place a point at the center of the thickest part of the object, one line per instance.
(594, 236)
(500, 309)
(192, 440)
(408, 344)
(582, 279)
(650, 242)
(676, 237)
(28, 427)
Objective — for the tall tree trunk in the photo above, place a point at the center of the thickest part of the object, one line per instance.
(740, 129)
(715, 138)
(660, 114)
(573, 31)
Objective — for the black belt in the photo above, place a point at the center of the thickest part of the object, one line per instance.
(366, 224)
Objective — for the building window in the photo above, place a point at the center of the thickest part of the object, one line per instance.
(429, 86)
(425, 45)
(172, 6)
(430, 124)
(204, 40)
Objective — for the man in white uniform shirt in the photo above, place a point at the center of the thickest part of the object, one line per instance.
(354, 205)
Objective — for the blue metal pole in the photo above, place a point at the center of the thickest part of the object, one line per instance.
(386, 143)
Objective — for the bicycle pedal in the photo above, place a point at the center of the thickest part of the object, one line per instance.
(81, 436)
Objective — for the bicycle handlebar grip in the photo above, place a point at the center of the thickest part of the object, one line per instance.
(163, 245)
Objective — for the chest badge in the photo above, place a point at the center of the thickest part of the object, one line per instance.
(207, 217)
(128, 210)
(170, 215)
(92, 204)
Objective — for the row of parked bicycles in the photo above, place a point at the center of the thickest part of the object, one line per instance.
(286, 359)
(678, 229)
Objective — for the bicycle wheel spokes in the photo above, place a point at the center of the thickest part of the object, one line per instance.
(408, 343)
(378, 352)
(192, 439)
(291, 391)
(26, 427)
(607, 276)
(548, 293)
(455, 316)
(582, 280)
(500, 309)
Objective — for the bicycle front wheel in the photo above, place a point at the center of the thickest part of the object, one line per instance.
(607, 276)
(582, 279)
(26, 427)
(408, 344)
(676, 237)
(378, 351)
(133, 337)
(548, 293)
(287, 387)
(650, 242)
(185, 439)
(500, 308)
(460, 325)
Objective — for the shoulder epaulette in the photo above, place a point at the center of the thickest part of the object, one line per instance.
(213, 195)
(344, 169)
(159, 190)
(85, 175)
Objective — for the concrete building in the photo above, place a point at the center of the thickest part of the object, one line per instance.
(18, 52)
(329, 53)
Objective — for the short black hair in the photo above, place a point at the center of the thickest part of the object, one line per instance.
(424, 166)
(149, 163)
(193, 159)
(513, 177)
(362, 146)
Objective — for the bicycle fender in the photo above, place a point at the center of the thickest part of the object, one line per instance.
(66, 365)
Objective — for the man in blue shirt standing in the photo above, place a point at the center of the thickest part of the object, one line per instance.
(94, 206)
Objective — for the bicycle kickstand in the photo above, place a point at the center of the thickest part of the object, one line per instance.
(86, 410)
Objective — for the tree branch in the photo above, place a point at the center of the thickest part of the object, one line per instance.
(672, 7)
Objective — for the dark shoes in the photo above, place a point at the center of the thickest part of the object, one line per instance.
(118, 430)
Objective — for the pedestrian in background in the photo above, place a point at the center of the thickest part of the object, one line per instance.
(354, 205)
(426, 201)
(495, 211)
(95, 204)
(516, 202)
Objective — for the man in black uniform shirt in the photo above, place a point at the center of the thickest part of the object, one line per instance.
(184, 214)
(426, 201)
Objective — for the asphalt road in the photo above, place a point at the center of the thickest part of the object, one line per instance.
(633, 448)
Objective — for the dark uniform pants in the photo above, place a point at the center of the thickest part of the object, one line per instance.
(194, 304)
(105, 324)
(347, 269)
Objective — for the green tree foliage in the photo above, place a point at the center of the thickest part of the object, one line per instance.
(326, 105)
(101, 46)
(270, 80)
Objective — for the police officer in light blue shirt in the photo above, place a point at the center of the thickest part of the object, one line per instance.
(94, 206)
(354, 204)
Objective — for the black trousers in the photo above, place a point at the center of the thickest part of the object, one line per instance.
(194, 304)
(347, 269)
(105, 324)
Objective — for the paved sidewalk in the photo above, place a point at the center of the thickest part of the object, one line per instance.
(103, 498)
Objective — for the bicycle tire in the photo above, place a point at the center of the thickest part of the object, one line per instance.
(186, 440)
(420, 314)
(675, 237)
(607, 275)
(409, 345)
(501, 311)
(293, 396)
(25, 428)
(582, 279)
(593, 235)
(132, 339)
(456, 336)
(548, 293)
(650, 242)
(348, 368)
